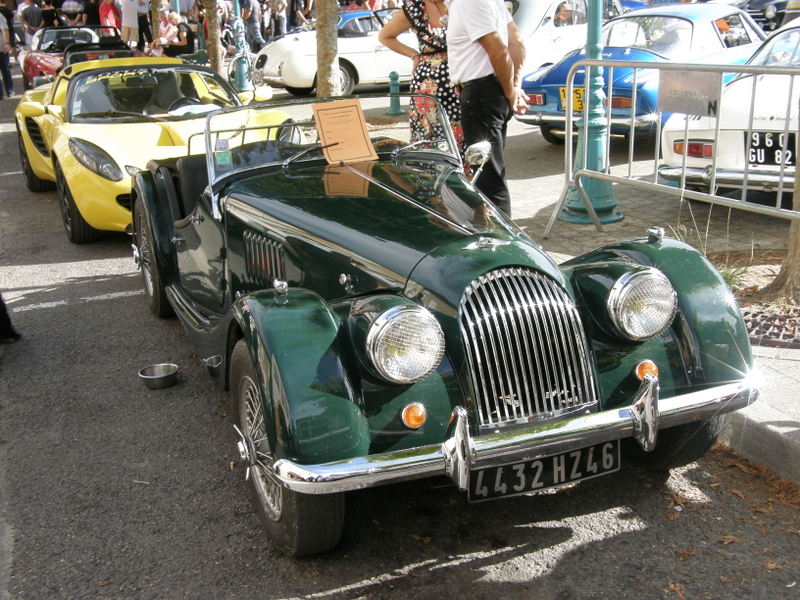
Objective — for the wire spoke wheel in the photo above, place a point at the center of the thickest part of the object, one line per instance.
(145, 253)
(251, 414)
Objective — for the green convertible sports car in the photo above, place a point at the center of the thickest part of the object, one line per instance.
(376, 319)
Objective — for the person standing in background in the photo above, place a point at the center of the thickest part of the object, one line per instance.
(486, 53)
(31, 17)
(5, 58)
(143, 22)
(251, 15)
(110, 15)
(91, 12)
(50, 16)
(296, 15)
(130, 21)
(74, 13)
(278, 18)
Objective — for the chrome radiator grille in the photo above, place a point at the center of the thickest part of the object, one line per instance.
(525, 346)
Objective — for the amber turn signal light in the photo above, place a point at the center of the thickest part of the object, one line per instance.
(646, 367)
(414, 415)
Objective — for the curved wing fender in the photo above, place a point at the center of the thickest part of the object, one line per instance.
(150, 193)
(708, 330)
(296, 346)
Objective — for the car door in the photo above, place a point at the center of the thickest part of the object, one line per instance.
(199, 242)
(372, 60)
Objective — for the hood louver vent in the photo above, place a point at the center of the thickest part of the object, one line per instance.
(264, 259)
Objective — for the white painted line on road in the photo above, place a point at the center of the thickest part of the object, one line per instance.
(8, 173)
(100, 298)
(7, 127)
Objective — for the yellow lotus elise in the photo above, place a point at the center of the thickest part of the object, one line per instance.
(100, 121)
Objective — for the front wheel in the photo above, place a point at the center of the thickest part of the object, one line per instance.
(78, 230)
(298, 524)
(676, 446)
(298, 91)
(348, 78)
(151, 278)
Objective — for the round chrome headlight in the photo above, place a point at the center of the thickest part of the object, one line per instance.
(770, 11)
(405, 344)
(642, 303)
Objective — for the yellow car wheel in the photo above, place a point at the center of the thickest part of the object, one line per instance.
(78, 230)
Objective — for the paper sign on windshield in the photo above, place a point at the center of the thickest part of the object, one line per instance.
(343, 132)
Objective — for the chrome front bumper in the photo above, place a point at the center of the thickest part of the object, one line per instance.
(559, 121)
(755, 179)
(461, 451)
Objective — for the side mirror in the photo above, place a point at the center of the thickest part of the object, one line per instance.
(55, 110)
(31, 109)
(476, 155)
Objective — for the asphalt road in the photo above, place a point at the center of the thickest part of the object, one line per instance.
(110, 490)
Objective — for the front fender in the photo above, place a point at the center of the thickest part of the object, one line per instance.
(707, 343)
(147, 194)
(296, 347)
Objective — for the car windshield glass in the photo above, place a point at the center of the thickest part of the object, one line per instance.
(57, 39)
(668, 36)
(145, 93)
(781, 50)
(287, 134)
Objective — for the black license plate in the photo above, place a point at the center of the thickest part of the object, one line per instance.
(551, 471)
(770, 148)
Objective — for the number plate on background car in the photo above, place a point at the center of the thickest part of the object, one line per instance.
(543, 473)
(577, 98)
(770, 148)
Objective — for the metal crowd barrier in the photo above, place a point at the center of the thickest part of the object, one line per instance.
(575, 174)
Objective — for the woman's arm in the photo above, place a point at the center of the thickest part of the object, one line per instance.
(389, 33)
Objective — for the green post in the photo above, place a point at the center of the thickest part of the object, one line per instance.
(600, 193)
(240, 82)
(394, 89)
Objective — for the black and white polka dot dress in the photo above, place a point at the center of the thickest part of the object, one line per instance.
(432, 76)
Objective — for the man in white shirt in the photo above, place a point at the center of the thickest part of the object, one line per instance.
(485, 53)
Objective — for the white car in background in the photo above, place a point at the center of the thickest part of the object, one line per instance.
(762, 150)
(550, 28)
(291, 61)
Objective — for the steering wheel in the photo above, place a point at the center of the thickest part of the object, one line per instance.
(183, 101)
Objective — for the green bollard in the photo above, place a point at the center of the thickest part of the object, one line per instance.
(394, 89)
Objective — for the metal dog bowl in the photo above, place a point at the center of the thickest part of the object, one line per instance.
(159, 376)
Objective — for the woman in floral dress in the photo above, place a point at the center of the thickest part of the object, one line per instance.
(428, 19)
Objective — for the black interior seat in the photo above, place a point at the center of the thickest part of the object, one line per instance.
(192, 180)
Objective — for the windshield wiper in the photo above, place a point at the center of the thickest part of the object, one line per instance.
(316, 146)
(120, 113)
(397, 151)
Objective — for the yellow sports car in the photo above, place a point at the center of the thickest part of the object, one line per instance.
(102, 120)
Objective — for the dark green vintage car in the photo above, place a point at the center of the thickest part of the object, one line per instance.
(377, 320)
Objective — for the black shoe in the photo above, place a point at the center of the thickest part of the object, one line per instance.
(10, 337)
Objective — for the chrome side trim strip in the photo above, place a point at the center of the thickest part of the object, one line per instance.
(461, 451)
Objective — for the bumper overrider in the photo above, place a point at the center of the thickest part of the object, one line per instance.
(462, 452)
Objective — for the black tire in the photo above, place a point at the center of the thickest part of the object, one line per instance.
(299, 91)
(676, 446)
(154, 288)
(298, 524)
(550, 137)
(33, 183)
(348, 78)
(78, 230)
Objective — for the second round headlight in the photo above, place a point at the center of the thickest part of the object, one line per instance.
(642, 304)
(405, 344)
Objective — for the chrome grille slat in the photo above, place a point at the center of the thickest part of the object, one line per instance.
(525, 346)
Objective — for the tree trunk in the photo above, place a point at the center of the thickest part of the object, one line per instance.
(787, 284)
(213, 42)
(328, 83)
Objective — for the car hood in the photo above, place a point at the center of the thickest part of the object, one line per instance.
(377, 221)
(154, 141)
(303, 42)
